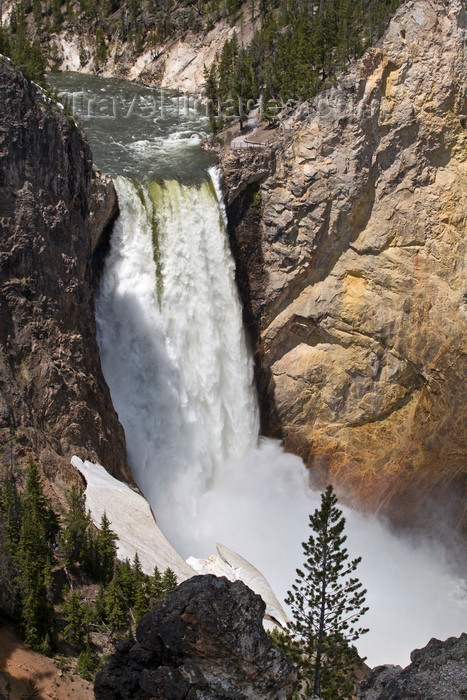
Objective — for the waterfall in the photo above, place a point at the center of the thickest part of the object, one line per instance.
(173, 353)
(181, 378)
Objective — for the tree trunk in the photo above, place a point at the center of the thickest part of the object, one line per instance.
(319, 644)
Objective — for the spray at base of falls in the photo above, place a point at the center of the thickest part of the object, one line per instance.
(174, 356)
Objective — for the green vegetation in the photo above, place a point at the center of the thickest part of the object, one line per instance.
(300, 47)
(138, 23)
(33, 559)
(326, 603)
(103, 599)
(15, 43)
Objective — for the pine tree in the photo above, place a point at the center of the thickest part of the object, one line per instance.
(87, 664)
(34, 499)
(7, 572)
(139, 603)
(5, 46)
(105, 550)
(210, 83)
(74, 613)
(125, 580)
(32, 692)
(154, 587)
(100, 605)
(326, 604)
(33, 559)
(299, 48)
(10, 507)
(75, 525)
(116, 608)
(10, 527)
(169, 581)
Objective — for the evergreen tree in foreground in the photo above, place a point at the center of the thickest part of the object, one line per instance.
(326, 603)
(34, 557)
(76, 524)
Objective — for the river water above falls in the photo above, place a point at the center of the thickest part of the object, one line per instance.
(174, 355)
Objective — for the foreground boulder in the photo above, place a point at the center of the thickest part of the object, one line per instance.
(437, 672)
(205, 641)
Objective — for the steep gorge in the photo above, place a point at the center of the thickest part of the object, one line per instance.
(349, 235)
(167, 46)
(55, 214)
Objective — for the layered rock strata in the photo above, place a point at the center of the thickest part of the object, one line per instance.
(349, 235)
(54, 219)
(204, 641)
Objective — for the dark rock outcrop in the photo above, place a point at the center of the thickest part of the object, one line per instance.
(437, 672)
(205, 641)
(55, 214)
(350, 257)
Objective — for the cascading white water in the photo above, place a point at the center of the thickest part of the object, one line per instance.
(172, 346)
(173, 353)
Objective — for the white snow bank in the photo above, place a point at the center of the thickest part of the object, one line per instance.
(234, 567)
(131, 519)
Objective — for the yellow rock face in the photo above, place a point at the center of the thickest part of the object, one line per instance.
(363, 328)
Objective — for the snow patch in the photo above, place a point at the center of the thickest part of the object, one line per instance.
(131, 519)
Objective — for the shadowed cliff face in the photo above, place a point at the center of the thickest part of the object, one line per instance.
(53, 211)
(354, 275)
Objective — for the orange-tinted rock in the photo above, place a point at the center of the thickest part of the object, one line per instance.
(360, 318)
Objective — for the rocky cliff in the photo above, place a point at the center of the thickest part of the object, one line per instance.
(114, 43)
(204, 641)
(54, 215)
(349, 234)
(439, 670)
(177, 63)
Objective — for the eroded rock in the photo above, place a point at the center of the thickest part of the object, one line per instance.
(54, 211)
(350, 258)
(437, 672)
(205, 641)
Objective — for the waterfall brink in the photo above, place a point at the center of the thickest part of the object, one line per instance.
(174, 356)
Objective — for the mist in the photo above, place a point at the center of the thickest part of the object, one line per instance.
(259, 507)
(174, 355)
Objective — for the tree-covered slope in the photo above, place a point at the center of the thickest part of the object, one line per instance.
(299, 47)
(280, 49)
(104, 27)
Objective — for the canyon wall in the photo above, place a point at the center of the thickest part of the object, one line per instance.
(55, 216)
(439, 670)
(349, 234)
(177, 62)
